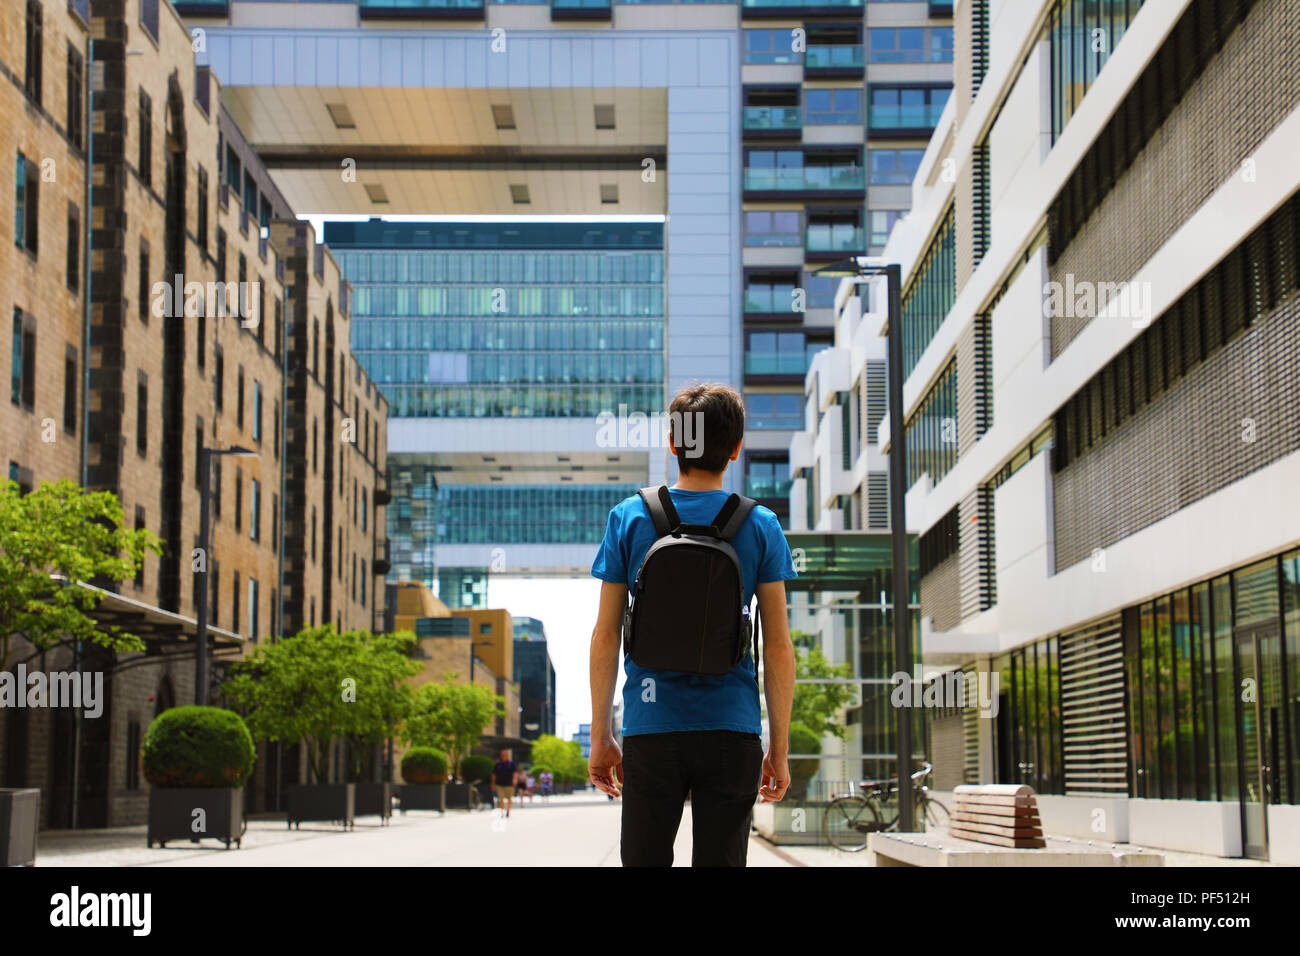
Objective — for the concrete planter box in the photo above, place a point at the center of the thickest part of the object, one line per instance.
(20, 817)
(424, 796)
(374, 799)
(790, 824)
(456, 795)
(334, 802)
(1284, 834)
(172, 814)
(1194, 826)
(1104, 819)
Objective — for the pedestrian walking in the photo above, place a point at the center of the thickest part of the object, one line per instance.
(503, 781)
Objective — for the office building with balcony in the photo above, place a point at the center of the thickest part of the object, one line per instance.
(120, 380)
(536, 677)
(1099, 322)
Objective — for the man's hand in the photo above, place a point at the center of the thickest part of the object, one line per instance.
(776, 777)
(605, 766)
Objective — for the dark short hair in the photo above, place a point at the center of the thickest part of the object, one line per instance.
(717, 423)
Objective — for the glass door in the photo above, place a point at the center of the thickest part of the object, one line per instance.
(1258, 663)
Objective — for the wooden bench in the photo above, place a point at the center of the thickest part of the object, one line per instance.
(934, 849)
(998, 814)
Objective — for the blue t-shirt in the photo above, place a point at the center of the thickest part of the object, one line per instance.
(657, 702)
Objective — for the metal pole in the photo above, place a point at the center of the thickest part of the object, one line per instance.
(284, 453)
(902, 585)
(201, 631)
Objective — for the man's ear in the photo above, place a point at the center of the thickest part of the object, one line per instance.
(735, 452)
(668, 440)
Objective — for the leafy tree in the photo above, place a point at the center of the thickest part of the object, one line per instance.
(562, 757)
(450, 716)
(50, 539)
(320, 685)
(817, 706)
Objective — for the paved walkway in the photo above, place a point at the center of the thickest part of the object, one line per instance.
(576, 830)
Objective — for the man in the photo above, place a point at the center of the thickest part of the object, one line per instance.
(695, 734)
(503, 781)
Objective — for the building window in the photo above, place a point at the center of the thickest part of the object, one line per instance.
(239, 499)
(780, 411)
(22, 365)
(771, 47)
(894, 167)
(907, 108)
(141, 413)
(26, 204)
(253, 626)
(201, 223)
(76, 96)
(219, 378)
(234, 604)
(363, 582)
(313, 534)
(198, 453)
(143, 287)
(1074, 29)
(149, 17)
(70, 391)
(909, 44)
(35, 41)
(146, 139)
(275, 428)
(315, 444)
(139, 526)
(216, 487)
(279, 330)
(255, 509)
(74, 249)
(841, 107)
(239, 398)
(221, 268)
(930, 294)
(932, 430)
(275, 527)
(365, 501)
(782, 227)
(257, 412)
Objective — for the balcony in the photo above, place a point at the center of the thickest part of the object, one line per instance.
(773, 121)
(817, 181)
(769, 300)
(767, 487)
(834, 240)
(779, 364)
(905, 120)
(799, 8)
(421, 9)
(581, 9)
(195, 8)
(844, 60)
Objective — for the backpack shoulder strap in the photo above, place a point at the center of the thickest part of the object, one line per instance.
(660, 504)
(733, 515)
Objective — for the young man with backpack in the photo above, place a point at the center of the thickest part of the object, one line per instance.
(680, 567)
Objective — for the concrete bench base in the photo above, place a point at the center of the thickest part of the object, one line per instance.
(932, 849)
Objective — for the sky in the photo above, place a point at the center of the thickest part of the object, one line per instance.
(567, 607)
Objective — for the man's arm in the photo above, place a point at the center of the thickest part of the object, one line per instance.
(778, 687)
(605, 766)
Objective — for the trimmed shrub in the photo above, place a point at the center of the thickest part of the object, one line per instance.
(476, 768)
(424, 765)
(198, 747)
(803, 741)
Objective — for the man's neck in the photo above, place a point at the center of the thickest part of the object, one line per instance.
(699, 480)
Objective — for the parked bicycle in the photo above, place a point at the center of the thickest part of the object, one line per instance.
(849, 819)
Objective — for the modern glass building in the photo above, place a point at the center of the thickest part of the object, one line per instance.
(504, 324)
(536, 677)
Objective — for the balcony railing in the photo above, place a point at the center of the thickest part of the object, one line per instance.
(769, 300)
(767, 487)
(581, 9)
(806, 178)
(800, 5)
(779, 363)
(834, 238)
(426, 9)
(833, 58)
(773, 118)
(925, 116)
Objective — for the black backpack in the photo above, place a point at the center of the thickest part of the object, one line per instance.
(686, 611)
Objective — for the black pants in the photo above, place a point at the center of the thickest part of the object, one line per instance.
(719, 769)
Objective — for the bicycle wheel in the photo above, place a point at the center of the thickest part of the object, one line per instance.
(847, 821)
(932, 813)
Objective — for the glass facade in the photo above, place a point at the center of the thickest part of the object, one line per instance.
(411, 529)
(560, 321)
(526, 514)
(909, 45)
(907, 107)
(932, 430)
(930, 295)
(1083, 35)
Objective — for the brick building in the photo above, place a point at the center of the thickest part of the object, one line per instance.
(255, 355)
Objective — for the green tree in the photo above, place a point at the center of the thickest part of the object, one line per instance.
(321, 685)
(562, 757)
(450, 716)
(817, 706)
(50, 540)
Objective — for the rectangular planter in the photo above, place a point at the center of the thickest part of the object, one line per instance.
(334, 802)
(374, 799)
(424, 796)
(173, 816)
(20, 816)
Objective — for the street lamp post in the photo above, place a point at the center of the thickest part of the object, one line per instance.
(201, 631)
(862, 269)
